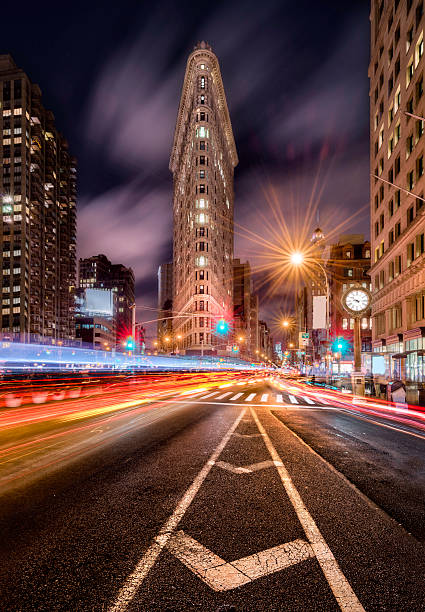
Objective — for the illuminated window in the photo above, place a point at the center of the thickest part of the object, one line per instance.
(344, 323)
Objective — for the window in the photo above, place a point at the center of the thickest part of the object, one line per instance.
(419, 129)
(410, 253)
(397, 34)
(410, 214)
(397, 67)
(397, 230)
(376, 229)
(391, 271)
(391, 237)
(397, 198)
(202, 145)
(201, 174)
(409, 39)
(202, 160)
(350, 272)
(409, 145)
(344, 323)
(419, 202)
(419, 166)
(348, 254)
(409, 72)
(410, 180)
(202, 82)
(201, 289)
(419, 13)
(419, 245)
(410, 105)
(367, 254)
(397, 265)
(397, 166)
(381, 222)
(201, 305)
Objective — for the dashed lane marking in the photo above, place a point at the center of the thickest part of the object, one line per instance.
(341, 588)
(222, 576)
(239, 435)
(264, 397)
(250, 397)
(133, 582)
(224, 395)
(235, 397)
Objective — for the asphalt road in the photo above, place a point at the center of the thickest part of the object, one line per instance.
(248, 497)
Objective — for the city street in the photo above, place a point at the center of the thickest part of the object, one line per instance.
(254, 494)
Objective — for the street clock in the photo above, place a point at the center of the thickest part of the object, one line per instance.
(356, 300)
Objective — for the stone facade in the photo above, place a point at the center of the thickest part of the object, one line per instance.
(397, 144)
(202, 161)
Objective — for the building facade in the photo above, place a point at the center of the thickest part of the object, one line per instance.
(397, 111)
(202, 161)
(245, 310)
(348, 265)
(38, 229)
(98, 272)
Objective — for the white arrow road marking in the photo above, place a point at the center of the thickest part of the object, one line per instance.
(247, 469)
(293, 399)
(279, 398)
(223, 576)
(264, 397)
(235, 397)
(344, 594)
(224, 395)
(250, 397)
(307, 399)
(133, 582)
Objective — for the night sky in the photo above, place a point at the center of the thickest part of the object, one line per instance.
(295, 77)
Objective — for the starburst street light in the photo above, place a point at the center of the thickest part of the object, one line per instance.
(297, 258)
(285, 323)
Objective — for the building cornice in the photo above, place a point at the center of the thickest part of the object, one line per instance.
(185, 106)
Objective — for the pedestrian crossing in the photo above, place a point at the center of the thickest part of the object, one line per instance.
(265, 398)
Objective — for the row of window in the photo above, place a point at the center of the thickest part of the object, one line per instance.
(366, 323)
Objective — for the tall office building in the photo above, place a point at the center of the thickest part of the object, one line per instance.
(202, 161)
(397, 109)
(38, 229)
(245, 309)
(98, 272)
(165, 304)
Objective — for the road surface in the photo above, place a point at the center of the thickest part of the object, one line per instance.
(254, 496)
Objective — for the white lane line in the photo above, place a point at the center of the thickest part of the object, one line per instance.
(209, 395)
(279, 398)
(293, 399)
(307, 399)
(250, 397)
(247, 469)
(344, 594)
(264, 397)
(224, 395)
(235, 397)
(133, 582)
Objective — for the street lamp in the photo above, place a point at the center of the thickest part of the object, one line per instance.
(285, 323)
(297, 258)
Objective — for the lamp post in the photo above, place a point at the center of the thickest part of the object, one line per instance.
(297, 258)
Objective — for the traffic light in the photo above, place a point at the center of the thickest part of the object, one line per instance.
(130, 344)
(222, 327)
(340, 345)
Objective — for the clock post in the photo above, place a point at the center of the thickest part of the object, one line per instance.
(356, 301)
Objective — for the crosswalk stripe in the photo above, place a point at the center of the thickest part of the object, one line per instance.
(308, 399)
(293, 399)
(250, 397)
(279, 398)
(235, 397)
(224, 395)
(209, 395)
(264, 397)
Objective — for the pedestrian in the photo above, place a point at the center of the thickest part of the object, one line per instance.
(398, 394)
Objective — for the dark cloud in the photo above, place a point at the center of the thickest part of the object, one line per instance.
(295, 76)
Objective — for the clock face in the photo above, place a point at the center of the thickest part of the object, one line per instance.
(357, 300)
